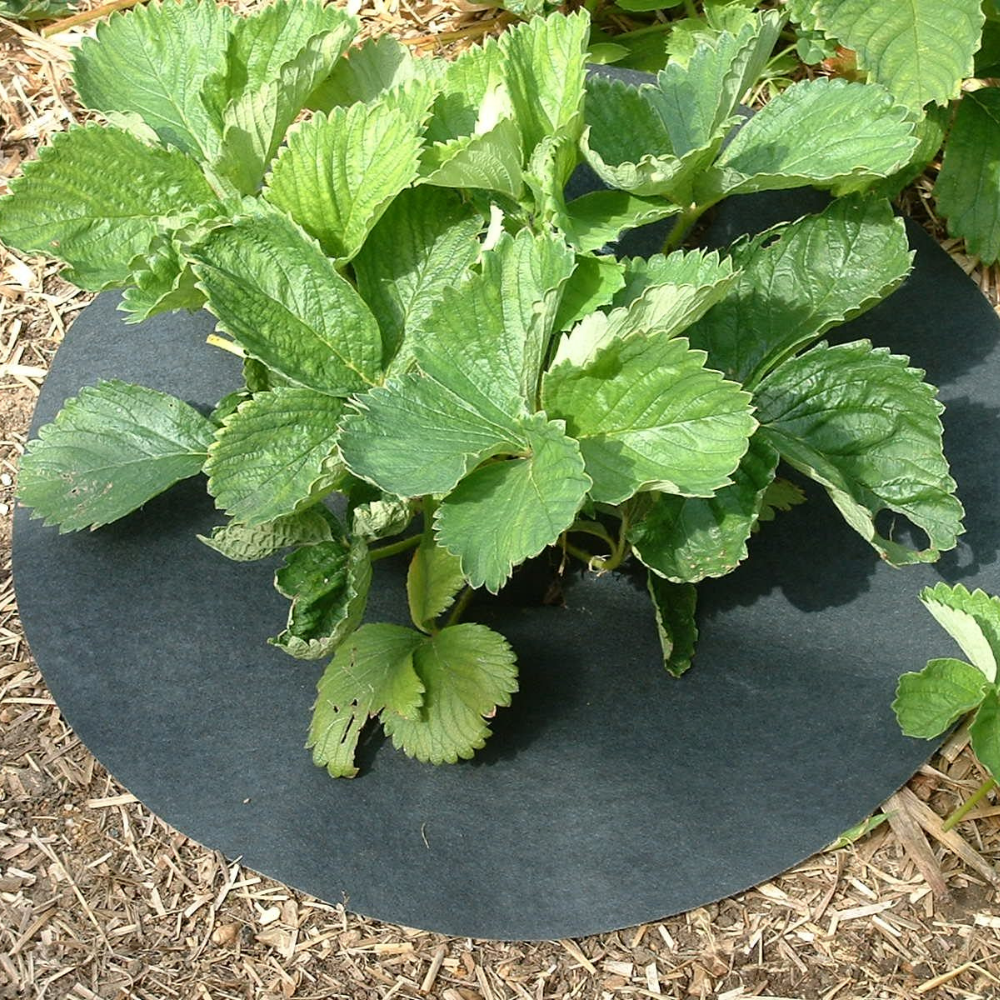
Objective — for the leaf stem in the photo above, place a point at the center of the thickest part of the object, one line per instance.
(690, 8)
(403, 545)
(682, 226)
(86, 16)
(222, 343)
(460, 605)
(592, 528)
(963, 810)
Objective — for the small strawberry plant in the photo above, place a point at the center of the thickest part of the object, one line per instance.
(931, 701)
(430, 331)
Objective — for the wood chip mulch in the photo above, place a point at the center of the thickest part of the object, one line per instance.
(101, 899)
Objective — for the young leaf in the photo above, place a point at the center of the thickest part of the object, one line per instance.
(467, 672)
(675, 605)
(985, 733)
(277, 294)
(927, 703)
(649, 415)
(544, 63)
(863, 424)
(687, 539)
(920, 50)
(108, 451)
(968, 186)
(529, 500)
(380, 518)
(160, 61)
(800, 280)
(971, 619)
(275, 35)
(247, 543)
(490, 160)
(413, 437)
(828, 133)
(640, 159)
(370, 72)
(425, 242)
(339, 173)
(698, 97)
(255, 122)
(433, 580)
(275, 455)
(370, 673)
(163, 280)
(328, 585)
(68, 204)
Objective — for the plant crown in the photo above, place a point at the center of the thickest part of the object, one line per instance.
(430, 329)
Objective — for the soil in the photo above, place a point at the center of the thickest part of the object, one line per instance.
(100, 899)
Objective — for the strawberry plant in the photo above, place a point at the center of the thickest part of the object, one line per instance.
(431, 333)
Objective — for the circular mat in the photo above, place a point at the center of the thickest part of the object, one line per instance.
(610, 794)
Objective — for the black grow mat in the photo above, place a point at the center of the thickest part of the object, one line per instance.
(610, 794)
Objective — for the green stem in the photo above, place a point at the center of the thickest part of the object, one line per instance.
(682, 226)
(977, 796)
(404, 545)
(460, 605)
(692, 10)
(582, 554)
(592, 528)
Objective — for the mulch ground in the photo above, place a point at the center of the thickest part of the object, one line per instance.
(101, 899)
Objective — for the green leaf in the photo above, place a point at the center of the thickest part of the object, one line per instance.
(68, 205)
(433, 580)
(686, 539)
(524, 503)
(930, 132)
(328, 585)
(828, 133)
(34, 10)
(649, 415)
(275, 455)
(255, 122)
(927, 703)
(698, 97)
(276, 293)
(425, 242)
(985, 733)
(968, 186)
(544, 62)
(109, 450)
(920, 50)
(247, 543)
(779, 497)
(971, 619)
(530, 273)
(160, 61)
(339, 173)
(414, 437)
(988, 56)
(675, 605)
(592, 285)
(854, 833)
(601, 217)
(640, 159)
(800, 280)
(472, 95)
(862, 423)
(477, 340)
(371, 673)
(467, 672)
